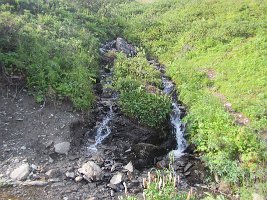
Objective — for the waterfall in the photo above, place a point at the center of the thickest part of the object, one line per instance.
(103, 129)
(176, 122)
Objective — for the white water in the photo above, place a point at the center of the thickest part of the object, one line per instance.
(177, 125)
(178, 130)
(103, 130)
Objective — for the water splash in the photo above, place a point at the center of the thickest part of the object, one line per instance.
(103, 129)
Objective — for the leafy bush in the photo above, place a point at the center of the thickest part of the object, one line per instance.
(150, 109)
(55, 46)
(131, 76)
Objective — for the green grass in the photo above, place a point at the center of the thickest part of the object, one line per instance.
(229, 38)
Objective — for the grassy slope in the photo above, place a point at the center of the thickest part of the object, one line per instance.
(229, 38)
(54, 45)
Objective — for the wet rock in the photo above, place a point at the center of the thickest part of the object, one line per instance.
(116, 179)
(129, 167)
(62, 148)
(91, 171)
(187, 167)
(146, 151)
(124, 47)
(21, 173)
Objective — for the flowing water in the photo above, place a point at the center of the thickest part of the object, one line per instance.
(103, 129)
(176, 122)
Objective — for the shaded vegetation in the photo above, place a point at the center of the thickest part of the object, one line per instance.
(54, 46)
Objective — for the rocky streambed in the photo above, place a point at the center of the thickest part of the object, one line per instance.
(51, 152)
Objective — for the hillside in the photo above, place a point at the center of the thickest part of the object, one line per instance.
(69, 59)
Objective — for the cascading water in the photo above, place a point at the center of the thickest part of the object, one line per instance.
(177, 125)
(103, 129)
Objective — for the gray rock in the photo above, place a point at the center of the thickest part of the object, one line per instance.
(62, 148)
(70, 174)
(92, 198)
(91, 171)
(116, 179)
(78, 178)
(53, 173)
(124, 47)
(129, 167)
(187, 167)
(21, 173)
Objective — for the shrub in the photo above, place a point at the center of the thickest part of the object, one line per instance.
(131, 76)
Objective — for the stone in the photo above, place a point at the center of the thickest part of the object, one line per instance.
(129, 167)
(116, 179)
(70, 175)
(34, 167)
(23, 148)
(123, 46)
(92, 198)
(91, 171)
(21, 173)
(188, 166)
(62, 148)
(78, 179)
(53, 173)
(187, 173)
(161, 164)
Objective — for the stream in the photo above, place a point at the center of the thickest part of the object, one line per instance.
(103, 127)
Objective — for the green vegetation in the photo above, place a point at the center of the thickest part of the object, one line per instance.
(214, 50)
(228, 39)
(161, 186)
(54, 46)
(138, 84)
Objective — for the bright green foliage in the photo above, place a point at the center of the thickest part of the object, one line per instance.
(55, 45)
(131, 76)
(150, 109)
(228, 39)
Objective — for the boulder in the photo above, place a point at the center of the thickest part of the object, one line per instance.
(21, 173)
(116, 179)
(91, 171)
(62, 148)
